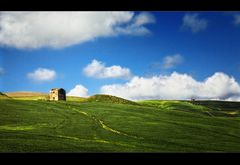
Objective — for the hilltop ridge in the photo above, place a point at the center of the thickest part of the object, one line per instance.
(109, 99)
(24, 94)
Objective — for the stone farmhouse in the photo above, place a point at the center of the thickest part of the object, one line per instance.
(57, 94)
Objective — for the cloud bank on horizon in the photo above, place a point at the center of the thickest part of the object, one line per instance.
(34, 30)
(176, 86)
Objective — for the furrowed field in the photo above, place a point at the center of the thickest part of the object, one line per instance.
(109, 124)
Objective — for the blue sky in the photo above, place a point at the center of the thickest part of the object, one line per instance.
(132, 54)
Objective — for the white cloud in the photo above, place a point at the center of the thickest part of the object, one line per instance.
(79, 90)
(194, 23)
(137, 26)
(42, 75)
(61, 29)
(237, 19)
(234, 98)
(172, 61)
(97, 69)
(175, 86)
(2, 71)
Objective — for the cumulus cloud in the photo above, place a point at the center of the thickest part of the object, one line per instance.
(79, 90)
(194, 23)
(237, 19)
(1, 71)
(172, 61)
(175, 86)
(61, 29)
(97, 69)
(42, 75)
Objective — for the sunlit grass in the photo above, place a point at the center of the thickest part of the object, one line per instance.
(109, 124)
(21, 128)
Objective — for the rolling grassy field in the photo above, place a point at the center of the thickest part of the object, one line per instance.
(108, 124)
(27, 95)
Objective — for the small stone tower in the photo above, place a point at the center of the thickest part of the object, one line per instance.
(57, 94)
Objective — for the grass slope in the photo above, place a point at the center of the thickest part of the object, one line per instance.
(109, 99)
(223, 108)
(3, 96)
(107, 126)
(212, 108)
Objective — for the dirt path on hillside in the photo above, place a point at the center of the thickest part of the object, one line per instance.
(101, 123)
(104, 126)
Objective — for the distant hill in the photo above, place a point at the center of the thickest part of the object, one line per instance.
(24, 94)
(109, 99)
(27, 95)
(212, 108)
(3, 96)
(220, 105)
(1, 93)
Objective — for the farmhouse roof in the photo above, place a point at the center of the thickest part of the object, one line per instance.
(56, 88)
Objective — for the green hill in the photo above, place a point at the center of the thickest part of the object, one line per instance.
(100, 125)
(109, 99)
(212, 108)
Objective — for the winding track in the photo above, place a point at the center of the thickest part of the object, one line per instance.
(101, 123)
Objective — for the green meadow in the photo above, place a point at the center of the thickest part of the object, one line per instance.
(104, 123)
